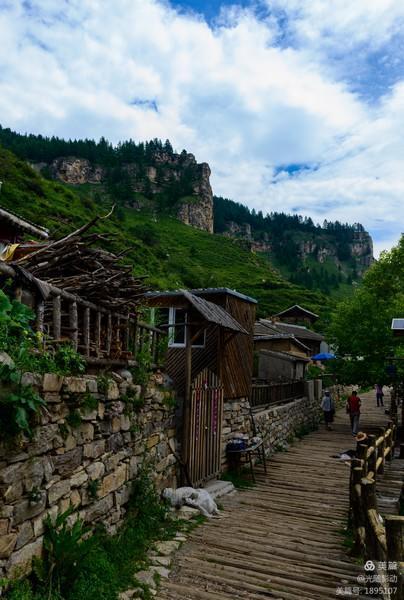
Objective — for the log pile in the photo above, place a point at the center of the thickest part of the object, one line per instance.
(76, 265)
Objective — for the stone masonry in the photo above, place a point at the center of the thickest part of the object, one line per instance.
(86, 449)
(276, 424)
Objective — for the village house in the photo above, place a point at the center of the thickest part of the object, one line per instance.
(210, 360)
(296, 314)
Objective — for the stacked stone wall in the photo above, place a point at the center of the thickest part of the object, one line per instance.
(86, 449)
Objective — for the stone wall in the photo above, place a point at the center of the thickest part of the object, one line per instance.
(237, 419)
(87, 448)
(279, 424)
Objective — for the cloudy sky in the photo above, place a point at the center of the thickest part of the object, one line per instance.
(297, 105)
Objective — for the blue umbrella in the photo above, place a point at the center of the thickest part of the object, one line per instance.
(323, 356)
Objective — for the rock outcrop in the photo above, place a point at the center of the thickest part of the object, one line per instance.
(178, 176)
(75, 171)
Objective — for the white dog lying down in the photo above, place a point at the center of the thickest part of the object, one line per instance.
(195, 497)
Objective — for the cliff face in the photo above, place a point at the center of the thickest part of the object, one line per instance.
(179, 175)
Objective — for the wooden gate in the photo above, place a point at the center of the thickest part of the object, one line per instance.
(205, 431)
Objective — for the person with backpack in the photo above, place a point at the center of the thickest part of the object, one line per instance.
(328, 407)
(353, 408)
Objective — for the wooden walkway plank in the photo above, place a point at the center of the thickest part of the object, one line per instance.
(283, 539)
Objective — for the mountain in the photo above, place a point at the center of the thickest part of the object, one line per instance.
(169, 253)
(155, 190)
(327, 257)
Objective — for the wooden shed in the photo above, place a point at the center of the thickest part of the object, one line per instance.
(210, 359)
(216, 347)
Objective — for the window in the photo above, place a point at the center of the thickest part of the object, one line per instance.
(176, 335)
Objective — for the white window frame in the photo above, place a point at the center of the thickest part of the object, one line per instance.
(171, 330)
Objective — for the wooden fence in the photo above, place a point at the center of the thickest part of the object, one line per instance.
(100, 335)
(267, 394)
(376, 539)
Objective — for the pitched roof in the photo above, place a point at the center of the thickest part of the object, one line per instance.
(23, 223)
(296, 308)
(211, 312)
(205, 292)
(299, 331)
(281, 336)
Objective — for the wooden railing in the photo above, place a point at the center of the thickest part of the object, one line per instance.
(267, 394)
(376, 539)
(97, 333)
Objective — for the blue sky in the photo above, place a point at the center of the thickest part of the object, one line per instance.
(293, 103)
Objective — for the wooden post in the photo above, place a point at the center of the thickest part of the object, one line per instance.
(18, 293)
(98, 335)
(40, 314)
(187, 396)
(74, 327)
(395, 549)
(361, 450)
(57, 317)
(401, 451)
(109, 334)
(86, 331)
(372, 460)
(358, 517)
(382, 447)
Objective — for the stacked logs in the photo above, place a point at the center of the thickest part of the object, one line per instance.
(74, 264)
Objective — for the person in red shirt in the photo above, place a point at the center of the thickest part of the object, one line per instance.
(353, 408)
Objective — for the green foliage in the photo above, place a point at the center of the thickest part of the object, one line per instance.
(93, 487)
(313, 372)
(65, 548)
(361, 325)
(169, 399)
(19, 403)
(89, 402)
(74, 419)
(103, 382)
(68, 361)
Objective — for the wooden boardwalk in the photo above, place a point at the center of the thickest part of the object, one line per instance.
(283, 538)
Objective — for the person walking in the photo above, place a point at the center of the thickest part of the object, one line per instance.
(353, 408)
(328, 407)
(379, 394)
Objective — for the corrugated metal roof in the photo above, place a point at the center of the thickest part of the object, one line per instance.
(297, 330)
(213, 313)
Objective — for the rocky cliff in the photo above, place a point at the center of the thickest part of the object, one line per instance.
(177, 176)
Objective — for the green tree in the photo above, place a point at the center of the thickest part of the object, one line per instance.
(361, 325)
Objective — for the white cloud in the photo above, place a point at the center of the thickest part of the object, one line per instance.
(247, 95)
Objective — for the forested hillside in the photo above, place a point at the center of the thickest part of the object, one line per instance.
(153, 180)
(326, 256)
(171, 254)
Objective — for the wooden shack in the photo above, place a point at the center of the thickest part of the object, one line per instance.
(215, 347)
(210, 359)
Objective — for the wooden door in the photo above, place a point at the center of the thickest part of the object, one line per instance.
(205, 431)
